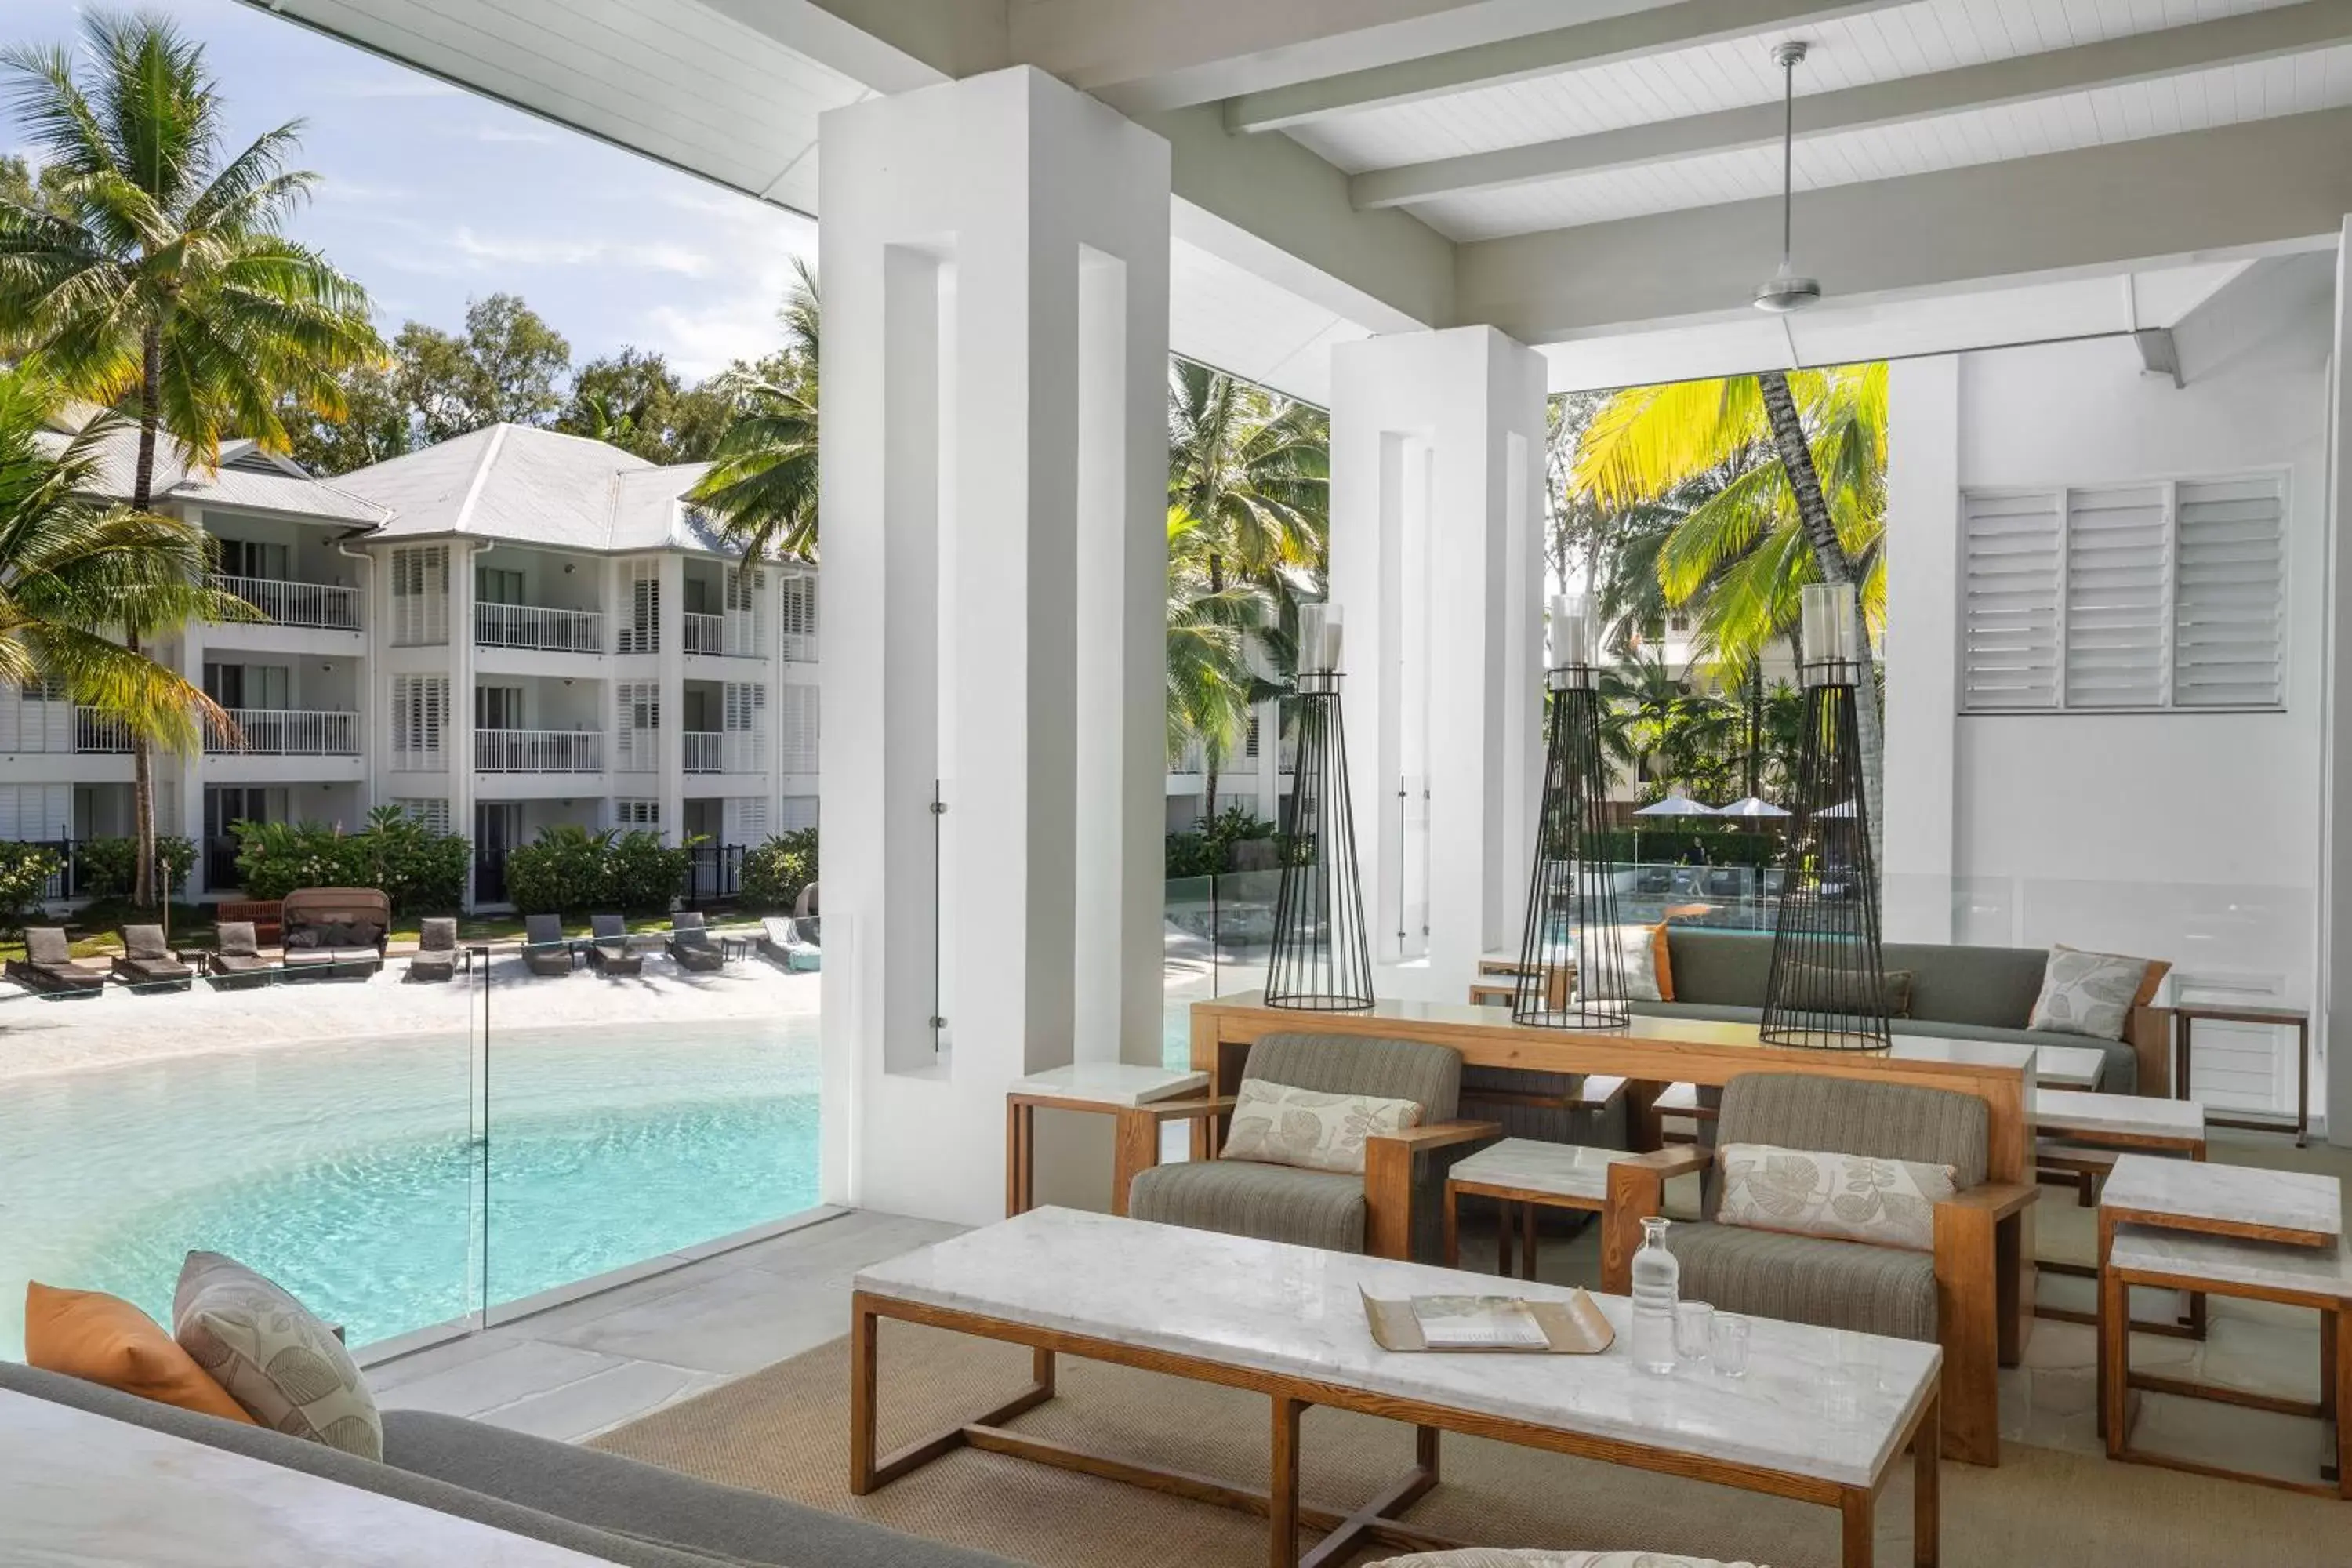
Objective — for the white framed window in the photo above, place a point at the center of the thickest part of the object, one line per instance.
(796, 617)
(636, 813)
(637, 725)
(434, 814)
(420, 714)
(2163, 595)
(795, 812)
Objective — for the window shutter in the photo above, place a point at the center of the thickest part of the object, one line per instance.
(796, 812)
(420, 710)
(797, 617)
(420, 595)
(2117, 560)
(796, 718)
(642, 633)
(432, 814)
(2009, 611)
(2229, 611)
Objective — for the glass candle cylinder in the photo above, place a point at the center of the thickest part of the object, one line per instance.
(1311, 637)
(1826, 618)
(1571, 630)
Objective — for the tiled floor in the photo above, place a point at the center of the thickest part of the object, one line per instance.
(573, 1371)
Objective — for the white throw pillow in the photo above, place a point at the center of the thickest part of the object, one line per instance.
(1634, 953)
(1276, 1124)
(274, 1356)
(2089, 993)
(1890, 1203)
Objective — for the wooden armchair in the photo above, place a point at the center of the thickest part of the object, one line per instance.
(1959, 1297)
(1392, 1211)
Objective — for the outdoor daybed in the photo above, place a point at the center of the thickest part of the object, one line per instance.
(48, 965)
(145, 960)
(337, 931)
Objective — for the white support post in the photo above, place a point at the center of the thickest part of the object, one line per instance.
(996, 253)
(2335, 1000)
(1923, 643)
(1437, 484)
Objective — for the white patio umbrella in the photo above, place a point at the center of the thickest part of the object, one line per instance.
(1753, 807)
(1676, 804)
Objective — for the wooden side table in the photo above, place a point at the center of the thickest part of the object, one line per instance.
(2083, 1137)
(1531, 1175)
(2185, 1017)
(1105, 1088)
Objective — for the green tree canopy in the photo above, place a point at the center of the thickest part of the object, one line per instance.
(505, 367)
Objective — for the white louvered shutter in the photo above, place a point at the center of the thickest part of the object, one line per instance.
(638, 726)
(796, 617)
(2011, 561)
(795, 812)
(420, 596)
(796, 719)
(420, 711)
(2229, 608)
(743, 819)
(2118, 559)
(641, 630)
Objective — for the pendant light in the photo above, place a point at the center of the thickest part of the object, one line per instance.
(1788, 291)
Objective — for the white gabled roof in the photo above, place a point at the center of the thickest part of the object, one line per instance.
(247, 479)
(530, 486)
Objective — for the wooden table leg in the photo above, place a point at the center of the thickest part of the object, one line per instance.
(1860, 1536)
(2114, 1345)
(1282, 1486)
(1926, 1506)
(1527, 1240)
(861, 1335)
(1453, 1227)
(1135, 1150)
(2339, 1358)
(1502, 1238)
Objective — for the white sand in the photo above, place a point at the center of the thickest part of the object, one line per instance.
(42, 1035)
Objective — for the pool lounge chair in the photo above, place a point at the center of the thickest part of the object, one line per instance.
(792, 944)
(544, 950)
(608, 949)
(437, 954)
(48, 965)
(238, 960)
(145, 961)
(689, 942)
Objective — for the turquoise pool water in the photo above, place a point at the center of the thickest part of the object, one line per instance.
(355, 1174)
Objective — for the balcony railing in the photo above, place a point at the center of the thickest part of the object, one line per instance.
(287, 732)
(539, 750)
(705, 634)
(297, 603)
(704, 752)
(99, 733)
(527, 626)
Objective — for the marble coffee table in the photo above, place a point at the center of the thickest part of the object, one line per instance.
(1821, 1416)
(1107, 1089)
(1530, 1174)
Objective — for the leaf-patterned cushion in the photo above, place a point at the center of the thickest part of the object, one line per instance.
(273, 1355)
(2092, 992)
(1890, 1203)
(1276, 1124)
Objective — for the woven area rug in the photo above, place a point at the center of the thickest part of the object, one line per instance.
(783, 1430)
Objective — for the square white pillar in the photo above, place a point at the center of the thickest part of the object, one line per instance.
(1437, 485)
(995, 260)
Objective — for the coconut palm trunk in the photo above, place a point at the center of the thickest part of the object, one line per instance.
(1829, 554)
(143, 891)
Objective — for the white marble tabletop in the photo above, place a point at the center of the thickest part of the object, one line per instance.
(2322, 1271)
(2189, 1191)
(78, 1489)
(1110, 1083)
(1815, 1402)
(2061, 1111)
(2068, 1067)
(1965, 1053)
(1568, 1170)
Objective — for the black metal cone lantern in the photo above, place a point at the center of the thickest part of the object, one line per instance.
(1321, 960)
(1571, 973)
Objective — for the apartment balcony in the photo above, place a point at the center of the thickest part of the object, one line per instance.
(725, 752)
(322, 605)
(545, 631)
(705, 751)
(100, 734)
(538, 751)
(737, 636)
(705, 634)
(286, 732)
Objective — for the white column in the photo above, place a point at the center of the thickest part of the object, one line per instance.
(1437, 477)
(670, 745)
(2335, 999)
(1922, 645)
(996, 253)
(458, 728)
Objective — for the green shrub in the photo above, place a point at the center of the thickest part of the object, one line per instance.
(574, 870)
(776, 872)
(107, 868)
(1208, 849)
(25, 872)
(419, 869)
(642, 873)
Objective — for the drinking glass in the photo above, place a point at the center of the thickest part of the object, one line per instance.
(1727, 1344)
(1691, 1320)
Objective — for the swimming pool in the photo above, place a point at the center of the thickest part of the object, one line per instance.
(356, 1173)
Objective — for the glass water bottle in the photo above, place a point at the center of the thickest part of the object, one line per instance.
(1657, 1286)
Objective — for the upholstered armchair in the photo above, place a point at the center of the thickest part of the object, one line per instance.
(1391, 1210)
(1957, 1296)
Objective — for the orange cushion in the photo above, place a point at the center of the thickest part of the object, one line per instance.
(1662, 959)
(105, 1340)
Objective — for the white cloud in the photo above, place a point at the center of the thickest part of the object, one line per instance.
(653, 256)
(524, 133)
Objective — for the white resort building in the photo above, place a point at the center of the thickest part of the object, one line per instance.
(511, 629)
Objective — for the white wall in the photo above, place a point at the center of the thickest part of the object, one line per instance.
(2193, 837)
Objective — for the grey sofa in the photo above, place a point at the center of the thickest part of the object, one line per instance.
(603, 1505)
(1957, 993)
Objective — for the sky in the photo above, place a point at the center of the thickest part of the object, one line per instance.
(430, 196)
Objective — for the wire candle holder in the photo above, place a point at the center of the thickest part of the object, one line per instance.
(1827, 989)
(1570, 976)
(1321, 959)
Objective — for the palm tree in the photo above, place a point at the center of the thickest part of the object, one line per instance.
(762, 483)
(1800, 459)
(72, 566)
(165, 286)
(1251, 471)
(1212, 685)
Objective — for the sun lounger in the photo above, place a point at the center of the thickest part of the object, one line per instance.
(609, 947)
(437, 956)
(544, 950)
(48, 965)
(689, 942)
(145, 960)
(238, 960)
(791, 942)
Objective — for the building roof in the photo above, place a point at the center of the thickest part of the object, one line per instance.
(247, 479)
(530, 486)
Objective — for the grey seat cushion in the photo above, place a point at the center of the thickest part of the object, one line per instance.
(1808, 1279)
(1242, 1197)
(2119, 1074)
(1430, 1076)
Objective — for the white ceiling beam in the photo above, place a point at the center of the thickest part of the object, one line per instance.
(2270, 186)
(2140, 56)
(1687, 24)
